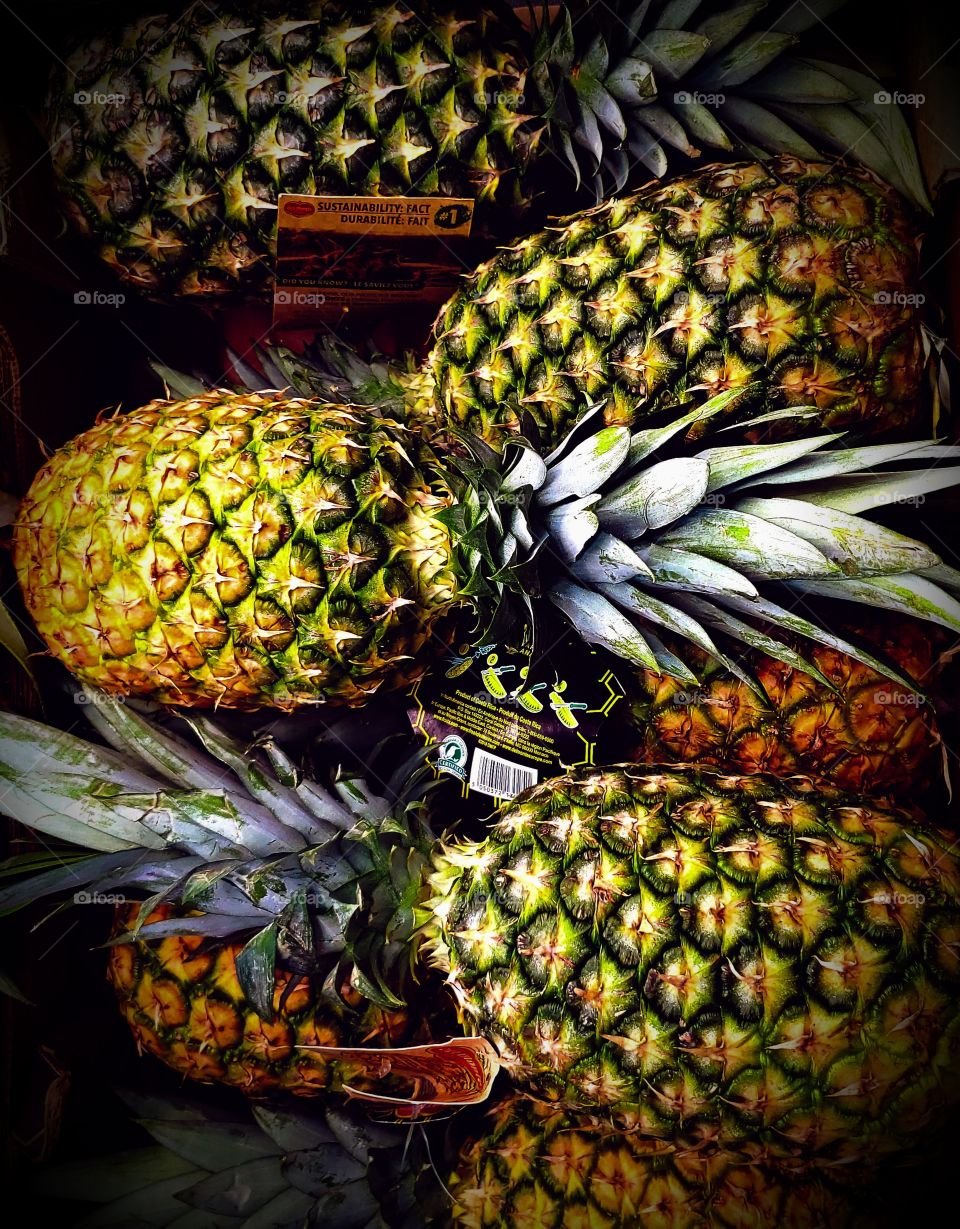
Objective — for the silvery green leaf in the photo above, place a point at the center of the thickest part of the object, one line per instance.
(599, 622)
(13, 642)
(520, 528)
(788, 411)
(571, 527)
(673, 52)
(668, 664)
(735, 463)
(292, 1130)
(98, 806)
(587, 134)
(748, 544)
(644, 443)
(360, 1137)
(759, 127)
(326, 1168)
(33, 749)
(861, 492)
(240, 1190)
(137, 1171)
(182, 386)
(736, 629)
(790, 621)
(595, 61)
(894, 132)
(646, 148)
(687, 571)
(608, 559)
(857, 546)
(699, 121)
(723, 27)
(73, 877)
(632, 82)
(667, 129)
(910, 595)
(294, 825)
(841, 461)
(256, 965)
(838, 126)
(943, 574)
(528, 470)
(208, 925)
(215, 1149)
(587, 467)
(743, 60)
(639, 602)
(798, 80)
(656, 497)
(588, 416)
(593, 94)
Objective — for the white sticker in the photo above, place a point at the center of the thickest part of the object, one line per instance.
(489, 774)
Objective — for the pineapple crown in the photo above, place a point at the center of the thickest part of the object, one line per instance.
(228, 829)
(622, 82)
(630, 534)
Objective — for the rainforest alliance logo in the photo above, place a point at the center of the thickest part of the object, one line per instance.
(453, 757)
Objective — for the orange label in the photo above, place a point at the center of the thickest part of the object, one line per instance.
(337, 253)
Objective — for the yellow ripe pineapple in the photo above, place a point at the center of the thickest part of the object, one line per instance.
(857, 730)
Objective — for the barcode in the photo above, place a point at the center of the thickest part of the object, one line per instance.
(489, 774)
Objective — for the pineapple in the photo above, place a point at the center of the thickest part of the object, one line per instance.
(537, 1167)
(173, 138)
(698, 956)
(184, 1003)
(248, 550)
(861, 733)
(794, 282)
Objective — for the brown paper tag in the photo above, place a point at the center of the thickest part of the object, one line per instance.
(366, 253)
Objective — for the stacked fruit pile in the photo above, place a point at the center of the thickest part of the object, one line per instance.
(720, 979)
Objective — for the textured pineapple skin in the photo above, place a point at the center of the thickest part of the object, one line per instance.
(183, 1002)
(869, 736)
(186, 132)
(714, 956)
(798, 278)
(538, 1167)
(237, 550)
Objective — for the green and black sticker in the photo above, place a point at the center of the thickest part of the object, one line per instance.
(503, 720)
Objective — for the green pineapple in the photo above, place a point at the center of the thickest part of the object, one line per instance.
(259, 549)
(698, 956)
(173, 139)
